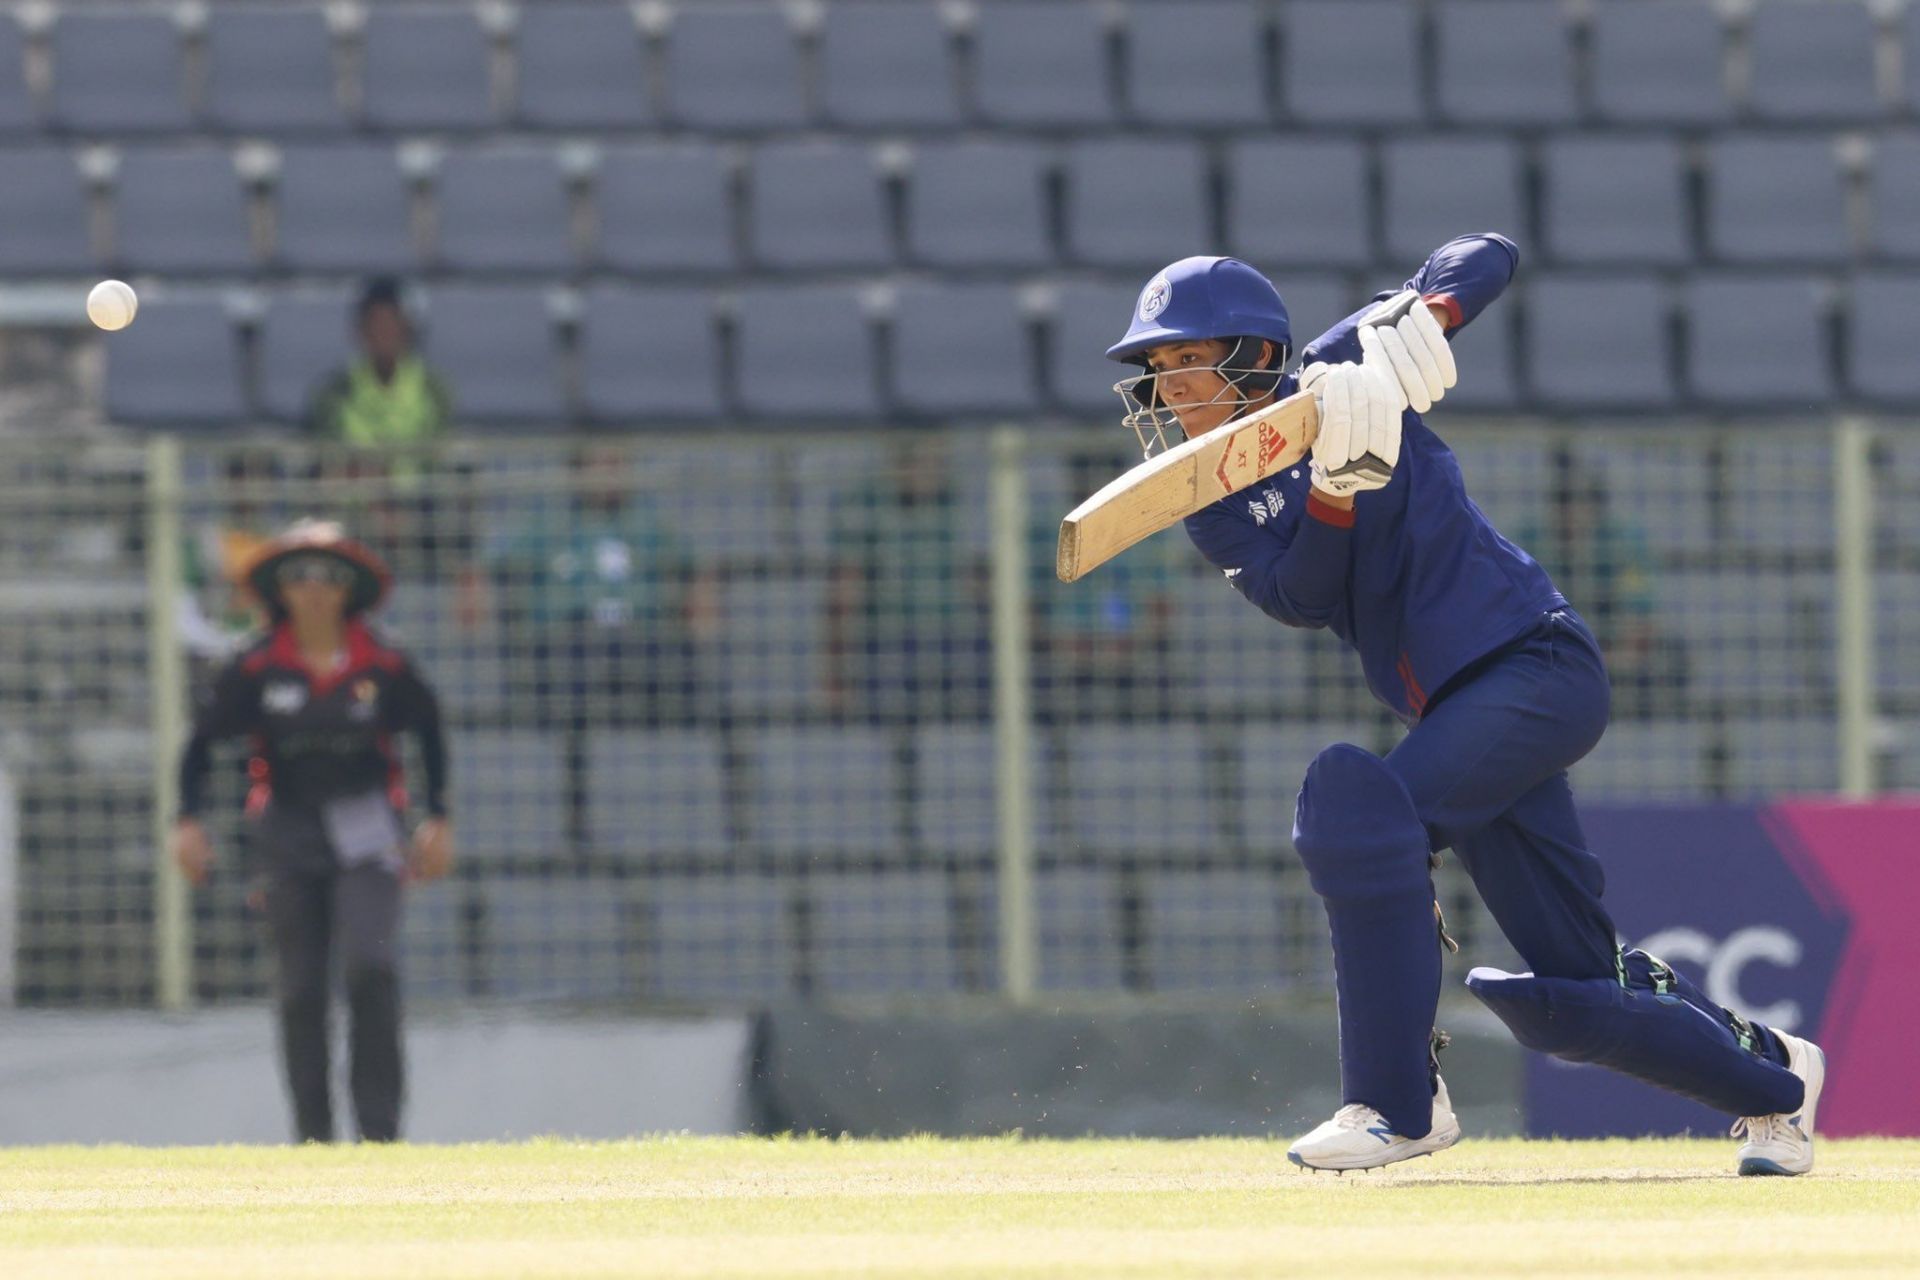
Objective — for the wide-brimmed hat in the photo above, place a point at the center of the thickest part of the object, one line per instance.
(371, 577)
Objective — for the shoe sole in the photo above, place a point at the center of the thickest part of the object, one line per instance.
(1358, 1165)
(1816, 1081)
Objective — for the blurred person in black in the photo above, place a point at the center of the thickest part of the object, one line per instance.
(320, 696)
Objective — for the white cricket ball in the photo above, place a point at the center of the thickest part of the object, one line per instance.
(111, 304)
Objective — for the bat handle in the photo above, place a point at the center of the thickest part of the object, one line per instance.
(1391, 310)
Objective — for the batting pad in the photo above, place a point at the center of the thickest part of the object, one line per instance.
(1365, 851)
(1674, 1037)
(1357, 831)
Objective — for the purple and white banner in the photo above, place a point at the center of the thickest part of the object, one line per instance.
(1801, 914)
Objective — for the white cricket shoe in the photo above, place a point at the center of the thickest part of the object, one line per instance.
(1358, 1138)
(1782, 1145)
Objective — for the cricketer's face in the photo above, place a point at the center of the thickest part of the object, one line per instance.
(1189, 382)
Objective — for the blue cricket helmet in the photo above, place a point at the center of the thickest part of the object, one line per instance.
(1205, 297)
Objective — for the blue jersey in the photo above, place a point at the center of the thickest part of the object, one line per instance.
(1414, 577)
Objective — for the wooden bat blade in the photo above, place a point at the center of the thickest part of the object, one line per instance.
(1162, 491)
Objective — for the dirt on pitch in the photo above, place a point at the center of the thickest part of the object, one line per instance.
(926, 1207)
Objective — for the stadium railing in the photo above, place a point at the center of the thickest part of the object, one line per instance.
(807, 715)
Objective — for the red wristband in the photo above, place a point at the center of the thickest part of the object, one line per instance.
(1446, 303)
(1325, 512)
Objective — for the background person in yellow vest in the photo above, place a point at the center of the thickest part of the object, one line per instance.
(386, 399)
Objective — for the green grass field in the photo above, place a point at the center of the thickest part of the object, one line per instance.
(748, 1207)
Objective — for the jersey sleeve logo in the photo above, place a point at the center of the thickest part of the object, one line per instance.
(1269, 503)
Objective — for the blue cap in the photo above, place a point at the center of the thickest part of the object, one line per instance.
(1200, 298)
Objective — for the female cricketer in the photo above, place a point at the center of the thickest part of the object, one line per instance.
(320, 695)
(1501, 686)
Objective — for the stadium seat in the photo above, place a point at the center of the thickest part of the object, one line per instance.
(435, 950)
(1079, 923)
(1775, 200)
(43, 206)
(1883, 318)
(1484, 353)
(182, 211)
(503, 210)
(1772, 758)
(887, 65)
(302, 339)
(1161, 185)
(773, 645)
(1903, 763)
(271, 71)
(1141, 789)
(509, 795)
(648, 353)
(955, 813)
(1910, 41)
(1087, 319)
(18, 112)
(962, 349)
(179, 367)
(1896, 599)
(1600, 342)
(1662, 487)
(1658, 62)
(1197, 63)
(1041, 63)
(665, 207)
(1342, 66)
(467, 654)
(818, 792)
(1893, 195)
(1757, 342)
(1783, 501)
(581, 66)
(1499, 63)
(1299, 200)
(1315, 303)
(497, 348)
(1763, 634)
(817, 205)
(1615, 200)
(559, 938)
(659, 794)
(978, 204)
(720, 939)
(121, 71)
(1646, 760)
(342, 209)
(426, 68)
(1811, 63)
(1437, 188)
(1220, 637)
(1508, 476)
(883, 932)
(1898, 509)
(805, 351)
(1214, 930)
(734, 66)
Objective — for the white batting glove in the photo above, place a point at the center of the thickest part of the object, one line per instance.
(1359, 441)
(1414, 352)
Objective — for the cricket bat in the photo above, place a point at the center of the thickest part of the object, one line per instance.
(1189, 477)
(1164, 490)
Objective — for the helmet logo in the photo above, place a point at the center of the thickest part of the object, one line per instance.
(1154, 298)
